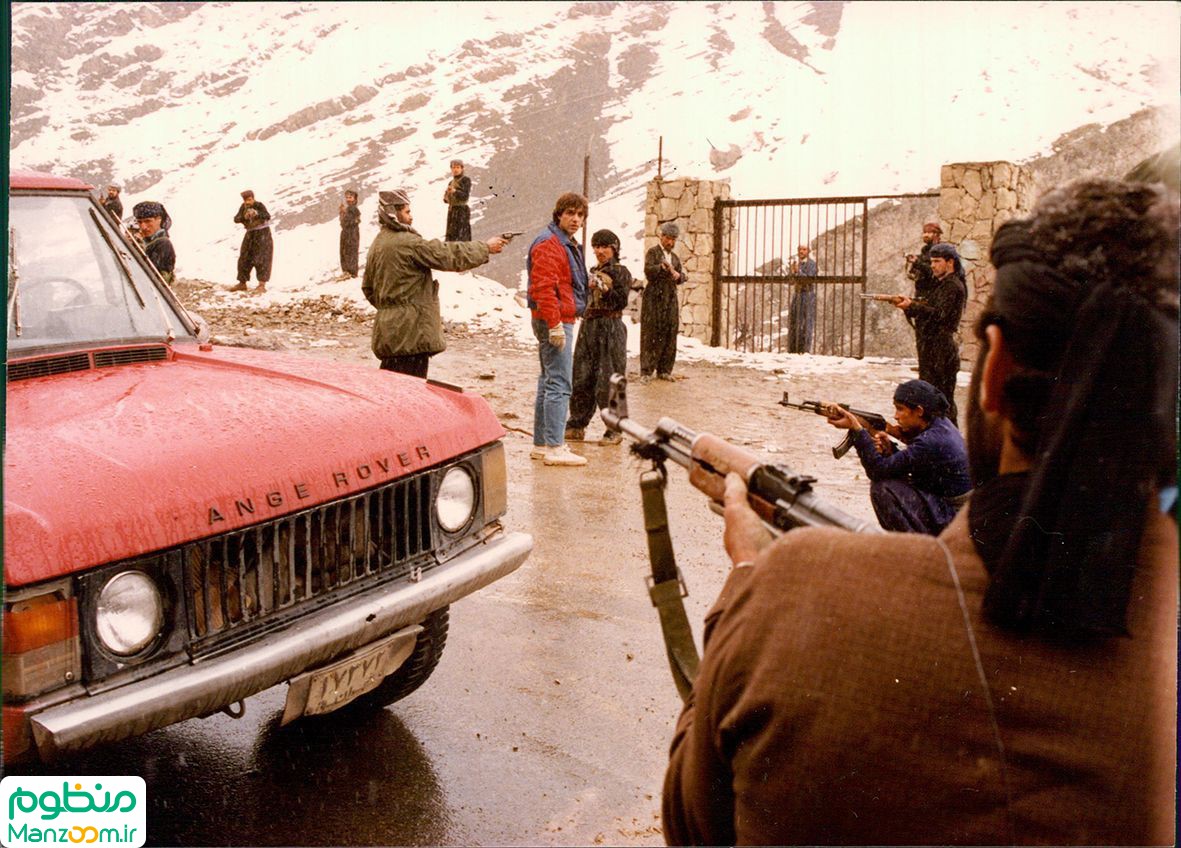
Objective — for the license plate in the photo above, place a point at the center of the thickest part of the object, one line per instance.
(332, 686)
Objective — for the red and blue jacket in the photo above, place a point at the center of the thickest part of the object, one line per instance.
(557, 278)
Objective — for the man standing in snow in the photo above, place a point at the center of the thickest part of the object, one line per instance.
(918, 268)
(660, 313)
(350, 234)
(459, 226)
(408, 328)
(801, 321)
(112, 203)
(258, 249)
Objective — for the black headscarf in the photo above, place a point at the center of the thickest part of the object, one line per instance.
(1105, 434)
(921, 393)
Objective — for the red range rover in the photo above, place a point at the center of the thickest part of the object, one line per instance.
(186, 525)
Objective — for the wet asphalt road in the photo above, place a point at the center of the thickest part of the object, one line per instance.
(548, 719)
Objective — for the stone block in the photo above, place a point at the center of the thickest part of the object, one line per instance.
(981, 229)
(666, 210)
(686, 205)
(1006, 198)
(949, 203)
(987, 205)
(673, 188)
(701, 221)
(651, 222)
(959, 231)
(1002, 175)
(972, 184)
(946, 177)
(705, 194)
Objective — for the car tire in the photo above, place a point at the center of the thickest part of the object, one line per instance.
(428, 648)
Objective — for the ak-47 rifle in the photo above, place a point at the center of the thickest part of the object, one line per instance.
(872, 420)
(889, 298)
(782, 498)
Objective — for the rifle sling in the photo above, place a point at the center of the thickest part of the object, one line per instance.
(666, 588)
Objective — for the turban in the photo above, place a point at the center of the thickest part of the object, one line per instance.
(921, 393)
(148, 209)
(246, 194)
(458, 162)
(387, 201)
(670, 229)
(931, 226)
(606, 238)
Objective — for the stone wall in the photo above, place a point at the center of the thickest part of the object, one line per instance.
(974, 199)
(689, 204)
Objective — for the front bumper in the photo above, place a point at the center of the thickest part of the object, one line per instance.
(209, 684)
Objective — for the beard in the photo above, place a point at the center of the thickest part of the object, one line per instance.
(984, 433)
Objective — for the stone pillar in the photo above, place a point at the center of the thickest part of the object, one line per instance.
(689, 204)
(974, 199)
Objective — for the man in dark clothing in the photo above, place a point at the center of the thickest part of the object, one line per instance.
(918, 268)
(350, 234)
(150, 216)
(660, 314)
(408, 329)
(920, 488)
(936, 322)
(112, 203)
(601, 349)
(258, 249)
(459, 223)
(1013, 681)
(801, 322)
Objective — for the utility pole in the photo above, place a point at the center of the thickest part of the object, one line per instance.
(660, 159)
(586, 194)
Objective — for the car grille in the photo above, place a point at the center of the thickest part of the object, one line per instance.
(48, 366)
(251, 576)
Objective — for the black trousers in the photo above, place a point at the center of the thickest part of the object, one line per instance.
(350, 248)
(601, 350)
(939, 362)
(459, 224)
(414, 364)
(258, 249)
(660, 319)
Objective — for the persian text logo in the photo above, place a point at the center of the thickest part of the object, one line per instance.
(79, 810)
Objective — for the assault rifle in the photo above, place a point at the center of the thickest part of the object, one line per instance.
(782, 498)
(870, 419)
(889, 298)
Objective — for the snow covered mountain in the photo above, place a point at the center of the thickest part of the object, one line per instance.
(189, 103)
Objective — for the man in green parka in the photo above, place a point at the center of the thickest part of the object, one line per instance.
(408, 329)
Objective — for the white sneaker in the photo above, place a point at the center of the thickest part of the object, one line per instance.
(538, 452)
(562, 455)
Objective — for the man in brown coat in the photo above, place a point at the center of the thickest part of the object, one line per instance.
(1013, 680)
(408, 329)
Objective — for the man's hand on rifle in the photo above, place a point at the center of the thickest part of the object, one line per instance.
(840, 417)
(901, 301)
(745, 534)
(881, 441)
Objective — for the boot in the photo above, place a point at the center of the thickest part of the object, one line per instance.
(611, 437)
(240, 287)
(575, 434)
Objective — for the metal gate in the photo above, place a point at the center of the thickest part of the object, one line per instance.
(765, 298)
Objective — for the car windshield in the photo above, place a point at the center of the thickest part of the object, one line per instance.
(72, 279)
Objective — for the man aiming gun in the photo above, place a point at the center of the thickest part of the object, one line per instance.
(919, 488)
(1013, 681)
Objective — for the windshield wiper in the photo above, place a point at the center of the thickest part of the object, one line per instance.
(14, 285)
(120, 256)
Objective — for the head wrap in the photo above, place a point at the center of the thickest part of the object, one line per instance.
(1109, 356)
(943, 250)
(351, 191)
(458, 162)
(148, 209)
(387, 201)
(114, 188)
(247, 193)
(670, 229)
(932, 227)
(606, 238)
(921, 393)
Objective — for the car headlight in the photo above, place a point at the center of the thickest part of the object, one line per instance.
(456, 500)
(129, 613)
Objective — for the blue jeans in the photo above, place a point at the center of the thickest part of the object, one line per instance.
(553, 386)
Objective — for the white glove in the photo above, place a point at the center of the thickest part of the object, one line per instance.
(557, 337)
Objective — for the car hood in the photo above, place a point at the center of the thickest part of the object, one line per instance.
(103, 465)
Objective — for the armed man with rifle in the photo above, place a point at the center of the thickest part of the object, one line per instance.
(1013, 680)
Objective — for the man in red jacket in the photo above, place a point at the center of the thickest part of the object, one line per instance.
(557, 296)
